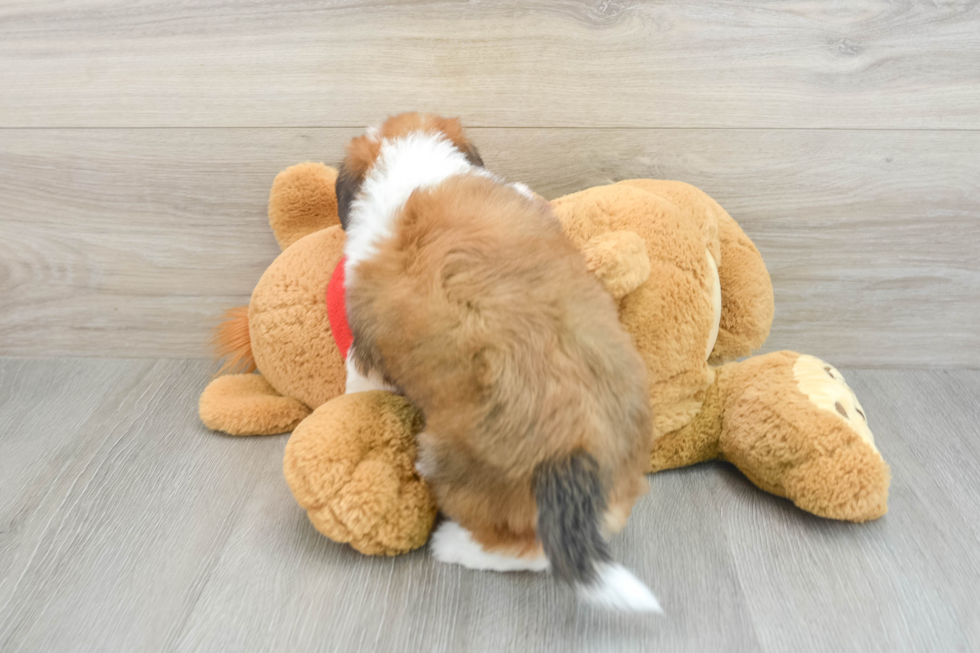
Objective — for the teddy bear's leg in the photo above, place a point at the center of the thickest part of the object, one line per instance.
(697, 440)
(245, 404)
(792, 425)
(351, 465)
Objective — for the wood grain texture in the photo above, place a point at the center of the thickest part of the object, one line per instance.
(927, 429)
(624, 63)
(132, 242)
(125, 525)
(116, 514)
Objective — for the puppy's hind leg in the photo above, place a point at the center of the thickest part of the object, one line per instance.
(453, 544)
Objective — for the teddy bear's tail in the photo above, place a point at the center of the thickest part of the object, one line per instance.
(231, 342)
(571, 504)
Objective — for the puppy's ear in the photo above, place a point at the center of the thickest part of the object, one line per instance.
(348, 183)
(361, 154)
(453, 128)
(471, 154)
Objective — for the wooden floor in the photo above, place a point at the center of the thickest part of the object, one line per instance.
(126, 526)
(138, 143)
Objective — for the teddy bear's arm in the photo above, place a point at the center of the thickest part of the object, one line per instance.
(245, 404)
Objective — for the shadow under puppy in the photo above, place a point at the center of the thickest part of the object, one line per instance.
(464, 295)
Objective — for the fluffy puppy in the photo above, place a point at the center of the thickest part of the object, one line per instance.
(464, 295)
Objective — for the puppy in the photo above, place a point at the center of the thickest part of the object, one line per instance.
(464, 295)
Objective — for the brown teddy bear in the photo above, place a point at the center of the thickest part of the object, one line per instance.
(693, 292)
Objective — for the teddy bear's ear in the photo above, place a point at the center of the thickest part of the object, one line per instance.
(619, 260)
(303, 200)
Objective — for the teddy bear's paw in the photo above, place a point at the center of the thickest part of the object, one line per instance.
(245, 404)
(826, 388)
(850, 480)
(849, 483)
(351, 465)
(795, 428)
(363, 498)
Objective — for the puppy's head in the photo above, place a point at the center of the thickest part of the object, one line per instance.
(364, 150)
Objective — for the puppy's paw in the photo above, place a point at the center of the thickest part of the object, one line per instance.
(453, 544)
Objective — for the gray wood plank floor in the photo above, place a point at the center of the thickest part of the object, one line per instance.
(126, 526)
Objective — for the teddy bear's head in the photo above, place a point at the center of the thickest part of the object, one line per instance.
(289, 332)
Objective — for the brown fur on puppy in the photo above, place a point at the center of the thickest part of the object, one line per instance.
(482, 312)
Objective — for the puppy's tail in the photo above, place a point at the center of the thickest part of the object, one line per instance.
(571, 503)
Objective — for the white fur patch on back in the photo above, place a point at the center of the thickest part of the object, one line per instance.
(418, 160)
(453, 544)
(618, 589)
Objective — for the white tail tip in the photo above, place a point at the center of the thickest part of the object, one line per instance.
(615, 588)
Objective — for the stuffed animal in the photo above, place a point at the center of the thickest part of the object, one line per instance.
(693, 292)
